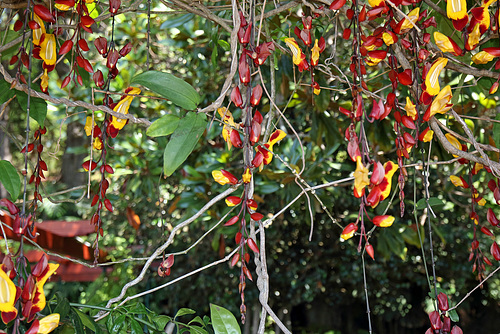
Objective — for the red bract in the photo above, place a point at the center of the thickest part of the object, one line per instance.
(256, 95)
(405, 77)
(112, 59)
(101, 45)
(107, 204)
(98, 79)
(232, 221)
(44, 13)
(126, 49)
(337, 4)
(66, 47)
(18, 25)
(435, 319)
(495, 251)
(86, 165)
(456, 330)
(83, 45)
(236, 139)
(86, 21)
(13, 210)
(244, 70)
(369, 251)
(235, 259)
(443, 302)
(253, 246)
(257, 216)
(236, 97)
(114, 5)
(492, 218)
(232, 179)
(33, 25)
(486, 231)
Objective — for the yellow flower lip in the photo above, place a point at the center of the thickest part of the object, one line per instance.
(456, 9)
(296, 51)
(48, 49)
(49, 323)
(122, 108)
(432, 78)
(7, 293)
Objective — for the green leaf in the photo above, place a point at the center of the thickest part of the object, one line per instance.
(223, 321)
(433, 202)
(86, 320)
(183, 141)
(135, 327)
(184, 311)
(453, 315)
(38, 107)
(224, 45)
(77, 322)
(496, 131)
(5, 92)
(197, 330)
(118, 324)
(10, 179)
(161, 321)
(170, 87)
(62, 307)
(163, 126)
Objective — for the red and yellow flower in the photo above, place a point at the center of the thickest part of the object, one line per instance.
(410, 108)
(408, 23)
(264, 153)
(38, 32)
(361, 179)
(432, 78)
(348, 232)
(458, 181)
(453, 141)
(8, 293)
(441, 103)
(123, 106)
(383, 221)
(229, 125)
(456, 9)
(223, 177)
(446, 44)
(48, 49)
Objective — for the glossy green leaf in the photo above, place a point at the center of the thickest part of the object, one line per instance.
(38, 107)
(163, 126)
(5, 92)
(118, 323)
(223, 321)
(454, 315)
(10, 179)
(170, 87)
(161, 321)
(184, 311)
(77, 322)
(135, 327)
(183, 141)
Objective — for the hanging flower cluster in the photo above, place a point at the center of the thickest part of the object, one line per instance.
(245, 135)
(299, 58)
(21, 302)
(109, 129)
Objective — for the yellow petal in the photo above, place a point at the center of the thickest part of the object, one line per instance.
(49, 323)
(7, 293)
(454, 141)
(247, 176)
(482, 57)
(88, 126)
(409, 24)
(432, 78)
(296, 51)
(48, 49)
(361, 179)
(456, 9)
(441, 103)
(122, 107)
(443, 42)
(219, 177)
(37, 33)
(411, 111)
